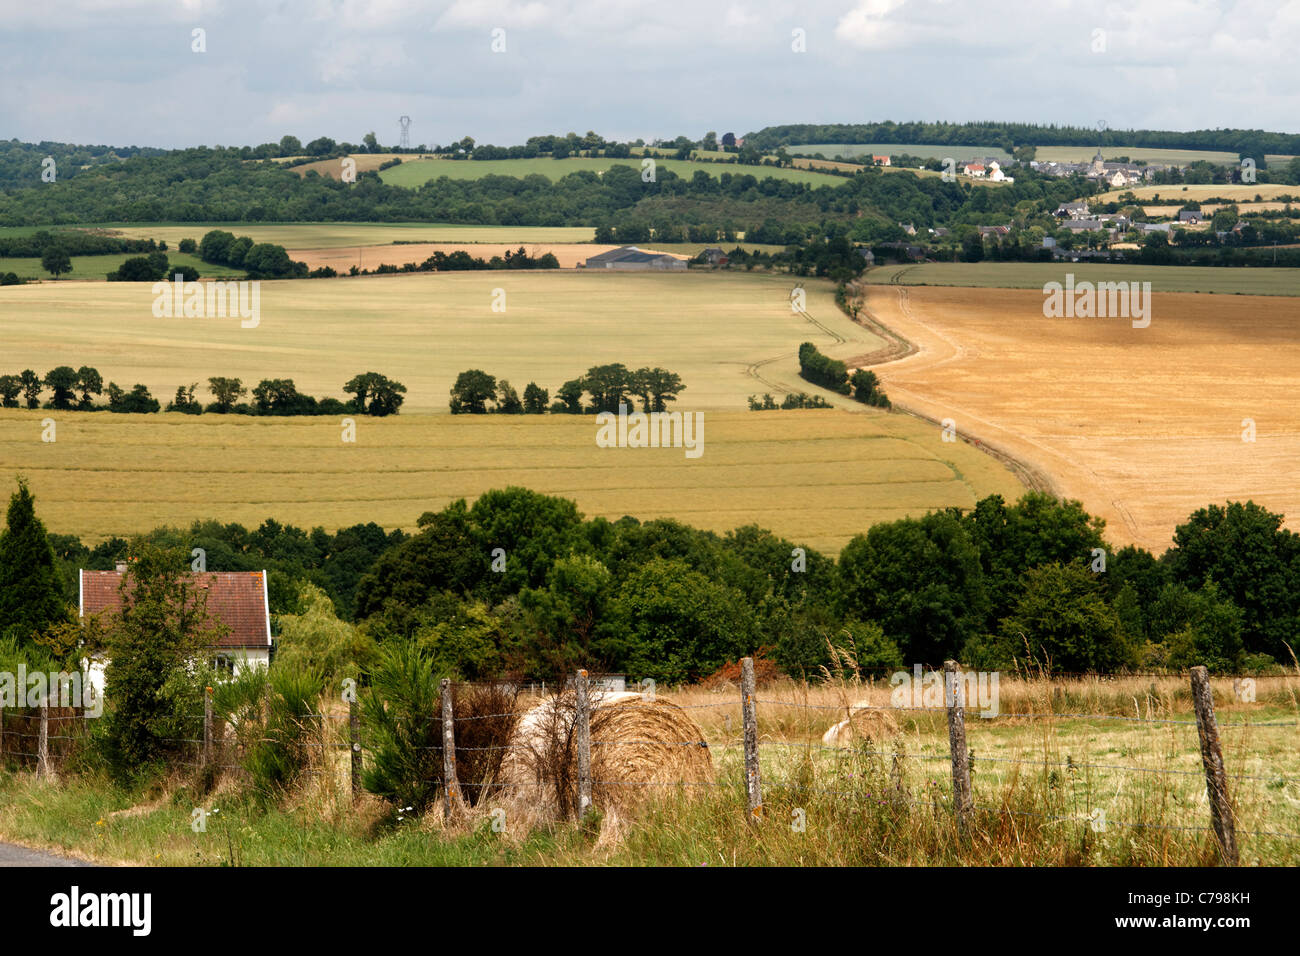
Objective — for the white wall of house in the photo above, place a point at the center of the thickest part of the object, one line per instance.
(241, 658)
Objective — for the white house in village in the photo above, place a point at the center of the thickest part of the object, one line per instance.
(236, 599)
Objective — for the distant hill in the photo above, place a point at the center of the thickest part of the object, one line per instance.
(21, 164)
(1008, 136)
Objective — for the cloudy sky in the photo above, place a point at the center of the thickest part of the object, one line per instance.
(124, 72)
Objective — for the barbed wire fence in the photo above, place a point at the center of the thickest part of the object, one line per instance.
(53, 732)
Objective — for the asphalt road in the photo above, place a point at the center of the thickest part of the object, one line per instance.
(11, 855)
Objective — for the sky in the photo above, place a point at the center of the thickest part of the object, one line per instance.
(130, 72)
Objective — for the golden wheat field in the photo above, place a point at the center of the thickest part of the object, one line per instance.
(816, 477)
(1143, 425)
(727, 336)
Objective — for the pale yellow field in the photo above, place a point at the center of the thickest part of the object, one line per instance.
(1239, 191)
(727, 336)
(816, 477)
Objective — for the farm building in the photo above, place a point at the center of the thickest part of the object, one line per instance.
(1083, 225)
(714, 256)
(630, 258)
(1192, 216)
(236, 599)
(880, 160)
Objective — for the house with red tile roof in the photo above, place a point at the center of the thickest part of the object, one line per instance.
(236, 599)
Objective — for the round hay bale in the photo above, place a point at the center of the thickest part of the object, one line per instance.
(863, 723)
(638, 747)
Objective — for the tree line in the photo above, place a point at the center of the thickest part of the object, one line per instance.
(521, 583)
(261, 260)
(76, 390)
(608, 387)
(1008, 136)
(833, 374)
(461, 261)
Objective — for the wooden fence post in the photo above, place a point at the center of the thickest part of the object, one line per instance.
(749, 714)
(1216, 780)
(354, 736)
(450, 785)
(954, 697)
(207, 727)
(43, 742)
(582, 728)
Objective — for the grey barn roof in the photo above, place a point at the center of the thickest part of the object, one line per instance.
(627, 254)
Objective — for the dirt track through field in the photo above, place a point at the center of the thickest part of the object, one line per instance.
(1143, 426)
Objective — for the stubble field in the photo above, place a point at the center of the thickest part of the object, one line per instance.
(1142, 425)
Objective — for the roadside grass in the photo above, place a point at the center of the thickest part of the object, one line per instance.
(885, 801)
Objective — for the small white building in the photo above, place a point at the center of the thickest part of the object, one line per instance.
(235, 599)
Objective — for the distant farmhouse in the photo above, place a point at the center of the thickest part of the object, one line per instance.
(880, 160)
(632, 259)
(1083, 225)
(996, 174)
(236, 599)
(1115, 175)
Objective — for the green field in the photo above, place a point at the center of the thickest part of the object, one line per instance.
(97, 267)
(1056, 154)
(419, 172)
(321, 235)
(1181, 157)
(817, 477)
(925, 150)
(1032, 275)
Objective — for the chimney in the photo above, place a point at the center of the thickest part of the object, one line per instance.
(121, 567)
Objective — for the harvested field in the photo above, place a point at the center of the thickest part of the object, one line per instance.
(1032, 275)
(319, 235)
(371, 257)
(1233, 192)
(1142, 425)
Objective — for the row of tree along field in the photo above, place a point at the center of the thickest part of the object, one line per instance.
(76, 390)
(520, 583)
(833, 374)
(608, 386)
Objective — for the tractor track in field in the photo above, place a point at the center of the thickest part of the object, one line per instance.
(899, 348)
